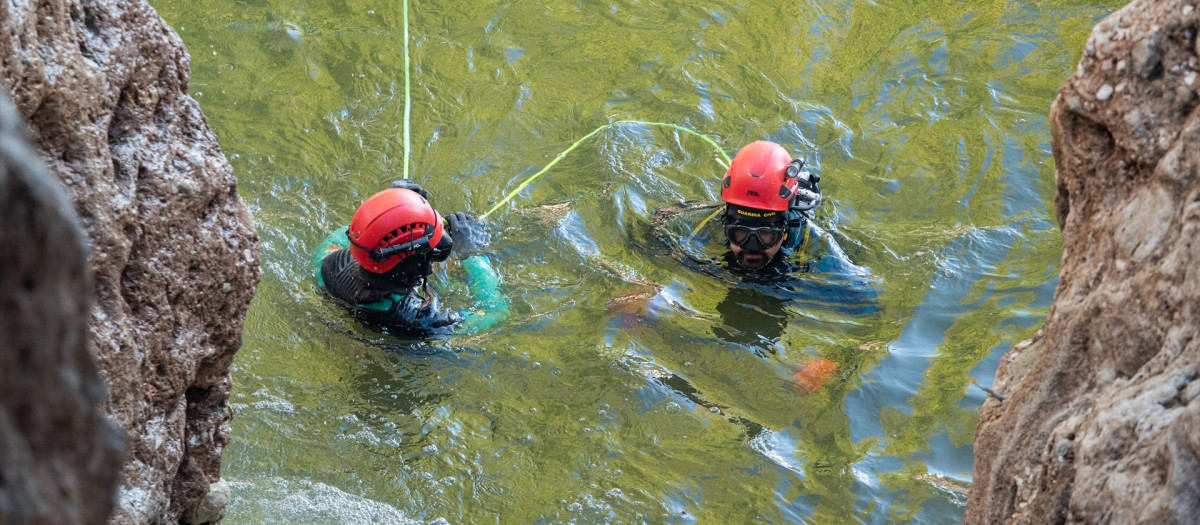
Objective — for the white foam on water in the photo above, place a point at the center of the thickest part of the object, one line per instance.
(271, 501)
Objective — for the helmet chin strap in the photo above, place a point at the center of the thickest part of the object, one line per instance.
(420, 246)
(426, 269)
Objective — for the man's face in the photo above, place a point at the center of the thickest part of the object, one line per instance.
(753, 260)
(754, 237)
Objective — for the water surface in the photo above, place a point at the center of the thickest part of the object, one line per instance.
(632, 384)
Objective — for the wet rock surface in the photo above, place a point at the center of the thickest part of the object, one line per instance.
(174, 256)
(1101, 421)
(59, 457)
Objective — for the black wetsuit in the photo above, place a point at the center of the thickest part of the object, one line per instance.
(389, 301)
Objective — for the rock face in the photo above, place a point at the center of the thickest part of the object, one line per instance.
(174, 256)
(1101, 417)
(59, 457)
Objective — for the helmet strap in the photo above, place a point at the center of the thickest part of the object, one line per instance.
(419, 246)
(426, 269)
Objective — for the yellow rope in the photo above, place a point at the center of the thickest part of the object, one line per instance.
(529, 180)
(407, 94)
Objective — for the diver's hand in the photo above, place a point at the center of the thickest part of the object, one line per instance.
(408, 184)
(421, 317)
(470, 235)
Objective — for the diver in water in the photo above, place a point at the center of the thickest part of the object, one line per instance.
(766, 195)
(768, 200)
(780, 258)
(378, 266)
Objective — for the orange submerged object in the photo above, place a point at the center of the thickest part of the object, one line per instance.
(813, 375)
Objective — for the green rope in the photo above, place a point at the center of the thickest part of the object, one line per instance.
(407, 93)
(528, 181)
(560, 156)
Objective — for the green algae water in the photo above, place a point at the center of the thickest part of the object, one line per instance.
(631, 384)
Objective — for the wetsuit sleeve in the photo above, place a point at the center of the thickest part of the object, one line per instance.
(336, 240)
(827, 255)
(490, 306)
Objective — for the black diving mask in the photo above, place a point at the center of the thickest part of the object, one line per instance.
(754, 238)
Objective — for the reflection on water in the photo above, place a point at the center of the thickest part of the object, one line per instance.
(639, 378)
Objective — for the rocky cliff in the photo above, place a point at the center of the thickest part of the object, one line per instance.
(1100, 421)
(59, 457)
(174, 256)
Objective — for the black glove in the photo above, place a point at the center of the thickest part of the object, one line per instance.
(420, 318)
(470, 235)
(408, 184)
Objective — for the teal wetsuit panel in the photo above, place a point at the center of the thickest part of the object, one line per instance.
(491, 306)
(333, 242)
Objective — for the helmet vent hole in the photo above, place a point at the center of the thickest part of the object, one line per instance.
(389, 239)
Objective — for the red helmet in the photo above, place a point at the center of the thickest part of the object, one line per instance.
(390, 226)
(757, 178)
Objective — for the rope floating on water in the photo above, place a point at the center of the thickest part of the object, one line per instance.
(529, 180)
(407, 93)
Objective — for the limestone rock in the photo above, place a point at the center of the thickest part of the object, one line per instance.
(103, 84)
(1101, 421)
(212, 507)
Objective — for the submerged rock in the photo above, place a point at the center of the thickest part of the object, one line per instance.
(174, 256)
(1101, 418)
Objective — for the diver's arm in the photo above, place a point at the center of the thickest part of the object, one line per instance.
(470, 242)
(490, 305)
(336, 274)
(333, 242)
(828, 255)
